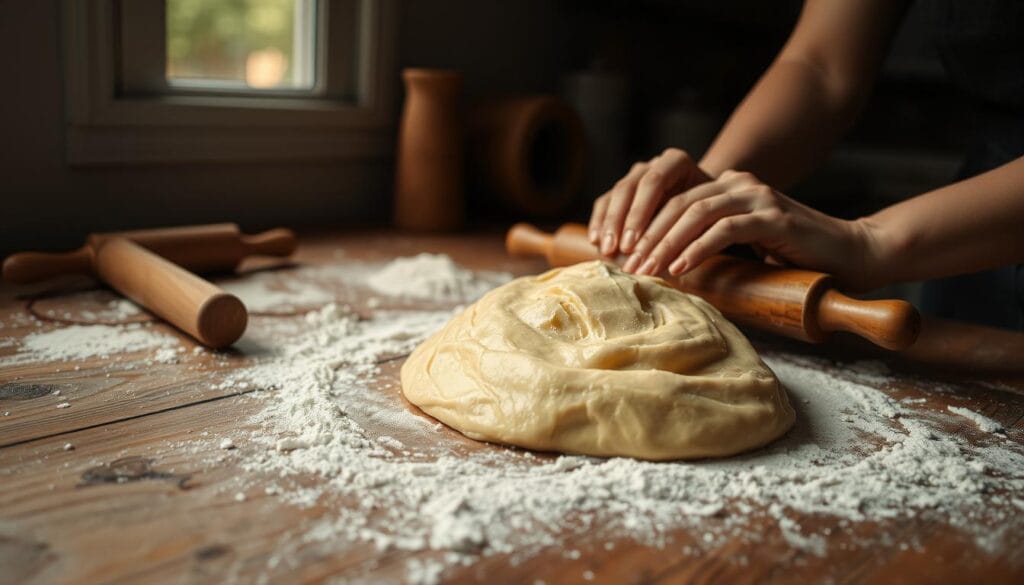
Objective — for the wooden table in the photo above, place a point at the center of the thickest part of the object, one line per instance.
(132, 498)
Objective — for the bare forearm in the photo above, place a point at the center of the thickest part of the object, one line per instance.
(784, 127)
(972, 225)
(810, 94)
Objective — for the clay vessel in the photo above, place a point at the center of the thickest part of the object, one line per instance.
(529, 151)
(429, 191)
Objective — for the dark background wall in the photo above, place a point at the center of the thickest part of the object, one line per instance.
(690, 57)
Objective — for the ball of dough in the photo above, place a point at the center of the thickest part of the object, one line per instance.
(589, 359)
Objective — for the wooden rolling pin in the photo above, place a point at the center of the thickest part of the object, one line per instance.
(202, 248)
(796, 303)
(197, 307)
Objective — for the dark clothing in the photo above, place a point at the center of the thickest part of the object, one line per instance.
(981, 43)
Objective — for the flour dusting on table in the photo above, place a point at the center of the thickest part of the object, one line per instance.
(434, 277)
(330, 434)
(856, 455)
(267, 292)
(428, 277)
(78, 342)
(984, 423)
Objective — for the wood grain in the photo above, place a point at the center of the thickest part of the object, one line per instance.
(146, 495)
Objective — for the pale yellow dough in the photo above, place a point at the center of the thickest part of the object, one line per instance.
(589, 359)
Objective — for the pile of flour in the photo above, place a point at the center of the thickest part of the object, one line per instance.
(430, 277)
(434, 277)
(403, 482)
(79, 342)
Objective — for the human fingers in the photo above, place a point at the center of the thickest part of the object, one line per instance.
(741, 196)
(664, 221)
(654, 232)
(734, 229)
(596, 219)
(663, 176)
(691, 222)
(619, 199)
(695, 220)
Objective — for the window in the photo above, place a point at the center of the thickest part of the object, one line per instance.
(167, 81)
(241, 45)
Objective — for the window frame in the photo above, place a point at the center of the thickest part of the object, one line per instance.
(111, 124)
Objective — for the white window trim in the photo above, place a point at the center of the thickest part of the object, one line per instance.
(106, 129)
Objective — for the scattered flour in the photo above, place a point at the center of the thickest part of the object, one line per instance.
(263, 292)
(78, 342)
(434, 277)
(984, 423)
(331, 435)
(91, 307)
(856, 455)
(119, 309)
(116, 310)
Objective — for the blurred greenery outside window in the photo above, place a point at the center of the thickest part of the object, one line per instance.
(259, 44)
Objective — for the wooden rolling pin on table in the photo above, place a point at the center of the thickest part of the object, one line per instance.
(796, 303)
(151, 267)
(196, 306)
(200, 248)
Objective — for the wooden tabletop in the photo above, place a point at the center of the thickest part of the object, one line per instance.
(120, 488)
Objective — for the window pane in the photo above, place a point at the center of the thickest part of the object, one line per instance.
(231, 44)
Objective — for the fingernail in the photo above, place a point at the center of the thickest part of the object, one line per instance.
(608, 244)
(648, 266)
(630, 265)
(642, 247)
(628, 239)
(677, 267)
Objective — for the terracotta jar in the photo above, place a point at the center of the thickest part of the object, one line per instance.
(529, 151)
(429, 191)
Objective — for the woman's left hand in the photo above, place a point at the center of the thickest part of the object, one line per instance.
(737, 208)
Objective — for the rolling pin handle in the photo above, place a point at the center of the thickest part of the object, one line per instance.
(277, 242)
(891, 324)
(29, 267)
(525, 240)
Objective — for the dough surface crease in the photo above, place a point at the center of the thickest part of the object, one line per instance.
(589, 359)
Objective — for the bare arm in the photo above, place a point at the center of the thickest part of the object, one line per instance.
(968, 226)
(811, 94)
(783, 128)
(796, 111)
(975, 224)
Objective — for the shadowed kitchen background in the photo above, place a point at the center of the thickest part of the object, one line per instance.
(644, 75)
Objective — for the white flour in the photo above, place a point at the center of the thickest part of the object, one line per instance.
(434, 277)
(114, 310)
(856, 455)
(123, 309)
(983, 422)
(89, 307)
(330, 436)
(263, 292)
(77, 342)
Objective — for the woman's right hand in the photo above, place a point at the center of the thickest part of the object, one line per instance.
(621, 215)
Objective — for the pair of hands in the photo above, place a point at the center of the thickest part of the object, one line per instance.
(667, 214)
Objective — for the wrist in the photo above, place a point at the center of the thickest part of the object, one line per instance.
(710, 167)
(877, 249)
